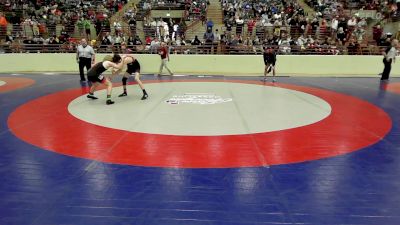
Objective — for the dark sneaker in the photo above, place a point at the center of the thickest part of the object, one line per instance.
(110, 102)
(123, 94)
(144, 96)
(92, 97)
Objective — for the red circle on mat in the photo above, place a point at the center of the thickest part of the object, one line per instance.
(352, 125)
(393, 87)
(13, 83)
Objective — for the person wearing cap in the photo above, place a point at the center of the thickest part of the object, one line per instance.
(389, 57)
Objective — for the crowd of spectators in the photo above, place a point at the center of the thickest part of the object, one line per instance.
(249, 25)
(286, 25)
(384, 9)
(192, 9)
(36, 22)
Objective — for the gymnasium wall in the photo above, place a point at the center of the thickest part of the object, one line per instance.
(310, 65)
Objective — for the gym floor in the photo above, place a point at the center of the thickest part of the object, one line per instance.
(201, 150)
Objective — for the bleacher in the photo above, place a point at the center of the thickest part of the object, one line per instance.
(270, 28)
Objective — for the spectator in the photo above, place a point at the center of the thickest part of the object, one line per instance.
(117, 27)
(3, 23)
(239, 25)
(105, 41)
(250, 26)
(323, 28)
(81, 27)
(165, 32)
(352, 24)
(210, 24)
(64, 36)
(343, 24)
(175, 31)
(314, 25)
(155, 45)
(132, 25)
(284, 45)
(217, 36)
(303, 25)
(334, 26)
(301, 42)
(196, 41)
(98, 26)
(362, 23)
(359, 33)
(137, 40)
(352, 47)
(9, 38)
(87, 25)
(15, 21)
(341, 36)
(209, 39)
(377, 34)
(148, 40)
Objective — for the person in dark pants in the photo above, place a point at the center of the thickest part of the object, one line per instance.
(389, 57)
(85, 57)
(269, 62)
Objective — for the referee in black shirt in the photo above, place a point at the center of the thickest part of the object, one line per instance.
(85, 57)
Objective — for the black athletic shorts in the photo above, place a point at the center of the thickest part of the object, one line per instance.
(133, 67)
(96, 78)
(268, 63)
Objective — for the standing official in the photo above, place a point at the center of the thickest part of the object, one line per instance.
(85, 57)
(389, 57)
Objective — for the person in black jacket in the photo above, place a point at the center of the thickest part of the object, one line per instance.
(269, 61)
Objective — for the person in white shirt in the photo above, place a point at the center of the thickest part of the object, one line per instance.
(217, 36)
(389, 57)
(362, 23)
(352, 22)
(277, 15)
(85, 57)
(351, 25)
(166, 30)
(301, 41)
(175, 31)
(334, 26)
(117, 27)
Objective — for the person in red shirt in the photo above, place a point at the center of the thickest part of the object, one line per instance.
(148, 40)
(250, 26)
(3, 23)
(163, 52)
(377, 34)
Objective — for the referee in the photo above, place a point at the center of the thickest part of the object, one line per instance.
(389, 57)
(84, 57)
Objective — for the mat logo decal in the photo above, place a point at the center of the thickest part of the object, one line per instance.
(197, 98)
